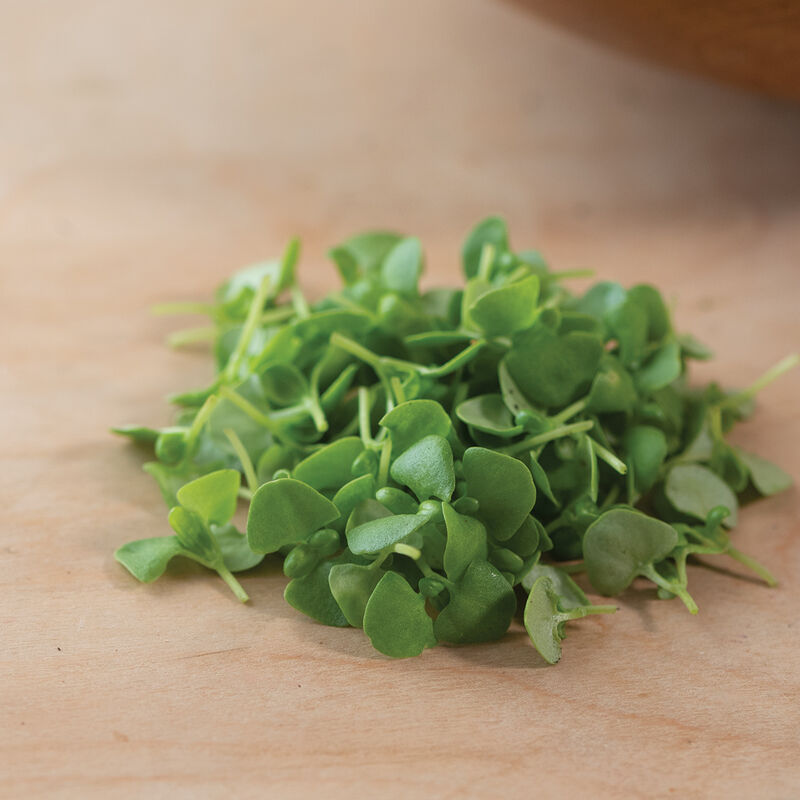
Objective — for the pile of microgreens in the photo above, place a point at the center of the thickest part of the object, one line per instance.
(424, 460)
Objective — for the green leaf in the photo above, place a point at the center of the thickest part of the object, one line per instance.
(170, 479)
(481, 607)
(768, 478)
(283, 384)
(403, 266)
(612, 388)
(647, 448)
(212, 497)
(311, 595)
(542, 619)
(661, 369)
(620, 544)
(490, 414)
(540, 479)
(413, 420)
(427, 468)
(649, 298)
(323, 323)
(503, 487)
(195, 537)
(600, 299)
(694, 490)
(285, 512)
(492, 231)
(137, 433)
(529, 539)
(511, 308)
(366, 511)
(375, 535)
(628, 325)
(570, 595)
(466, 542)
(236, 552)
(330, 466)
(395, 619)
(146, 559)
(553, 370)
(352, 586)
(368, 250)
(350, 495)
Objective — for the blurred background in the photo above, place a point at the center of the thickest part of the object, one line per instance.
(212, 131)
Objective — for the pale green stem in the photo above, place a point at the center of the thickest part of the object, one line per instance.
(486, 261)
(162, 309)
(191, 336)
(299, 302)
(573, 569)
(606, 455)
(407, 550)
(583, 611)
(275, 315)
(317, 414)
(255, 414)
(569, 411)
(784, 365)
(234, 585)
(199, 421)
(651, 573)
(355, 349)
(611, 497)
(249, 328)
(379, 362)
(397, 388)
(759, 569)
(455, 363)
(364, 408)
(244, 458)
(547, 436)
(383, 464)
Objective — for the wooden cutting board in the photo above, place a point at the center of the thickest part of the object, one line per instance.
(147, 150)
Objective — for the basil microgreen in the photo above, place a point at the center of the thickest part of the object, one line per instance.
(419, 458)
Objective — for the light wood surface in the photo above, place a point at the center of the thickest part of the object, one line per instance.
(145, 150)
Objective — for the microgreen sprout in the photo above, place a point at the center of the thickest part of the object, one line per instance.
(429, 462)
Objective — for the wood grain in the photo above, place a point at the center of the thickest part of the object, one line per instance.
(147, 149)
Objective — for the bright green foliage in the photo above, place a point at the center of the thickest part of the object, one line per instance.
(481, 607)
(490, 414)
(330, 467)
(466, 542)
(201, 533)
(546, 613)
(694, 490)
(377, 534)
(503, 487)
(395, 618)
(422, 458)
(427, 468)
(351, 586)
(768, 478)
(553, 370)
(621, 544)
(501, 312)
(286, 511)
(412, 421)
